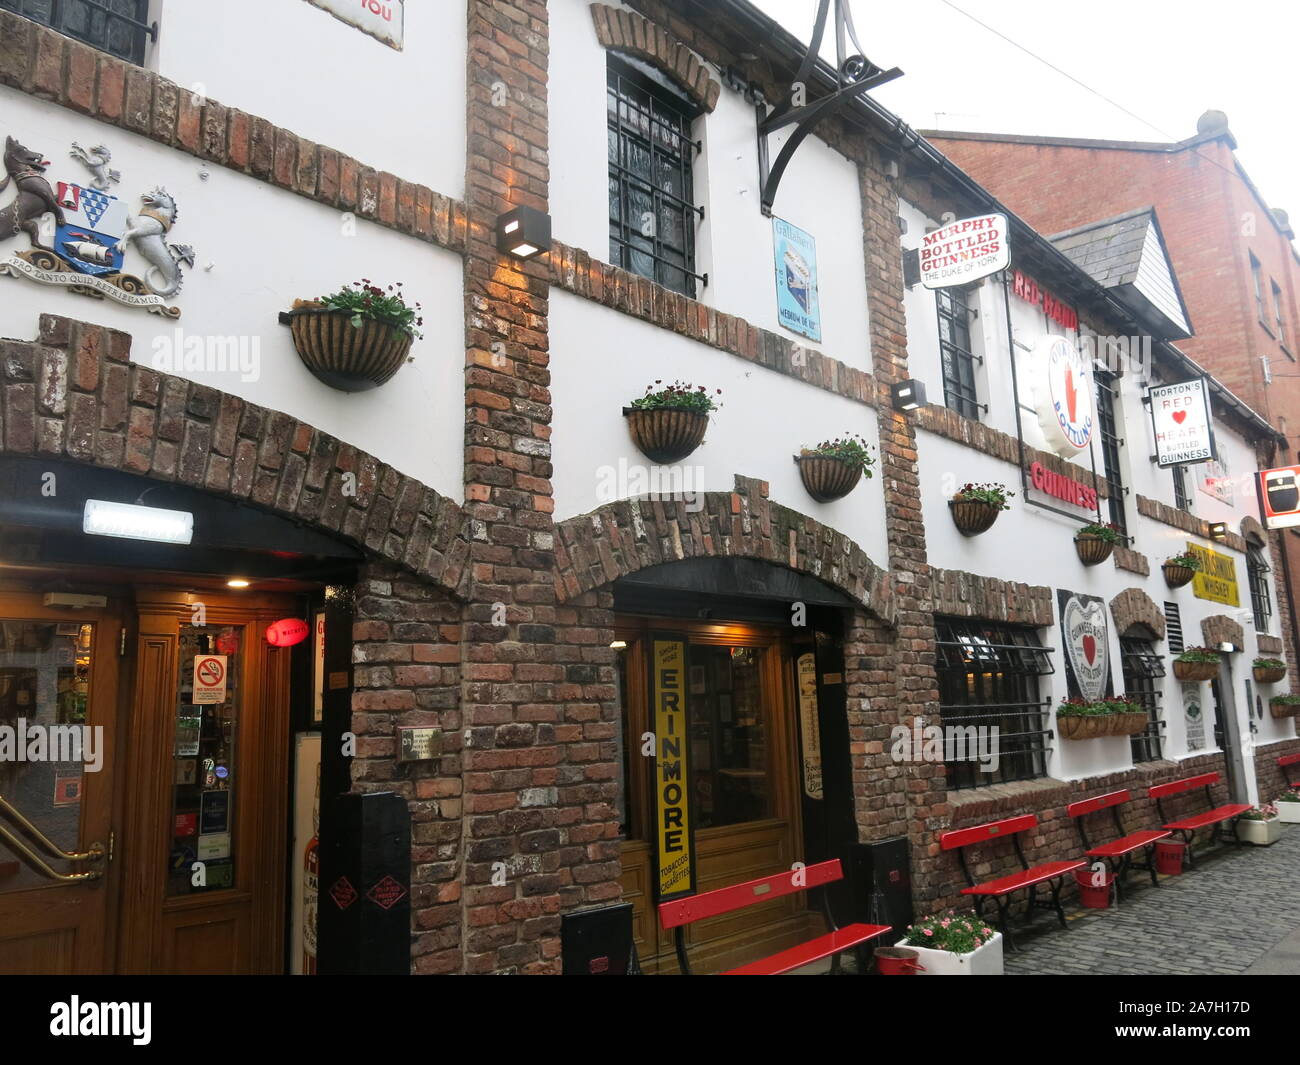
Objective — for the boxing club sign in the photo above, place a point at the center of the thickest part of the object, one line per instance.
(1181, 423)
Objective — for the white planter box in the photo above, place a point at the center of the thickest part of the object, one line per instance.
(1260, 833)
(1289, 813)
(982, 961)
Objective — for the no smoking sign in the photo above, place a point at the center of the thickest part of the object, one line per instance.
(209, 679)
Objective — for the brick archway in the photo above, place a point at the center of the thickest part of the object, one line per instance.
(594, 549)
(73, 394)
(1219, 628)
(627, 32)
(1253, 531)
(1134, 607)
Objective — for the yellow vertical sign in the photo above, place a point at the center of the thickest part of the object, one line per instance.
(672, 782)
(1216, 580)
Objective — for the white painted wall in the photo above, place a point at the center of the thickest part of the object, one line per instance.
(266, 247)
(601, 360)
(734, 243)
(306, 71)
(1034, 546)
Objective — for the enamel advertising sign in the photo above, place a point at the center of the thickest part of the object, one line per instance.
(672, 781)
(797, 303)
(1087, 645)
(1279, 496)
(382, 19)
(1180, 420)
(964, 251)
(1063, 395)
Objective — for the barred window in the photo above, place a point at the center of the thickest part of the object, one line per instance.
(118, 27)
(1182, 497)
(955, 351)
(651, 189)
(1143, 666)
(1108, 428)
(988, 679)
(1261, 598)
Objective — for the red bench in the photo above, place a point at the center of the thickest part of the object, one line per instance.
(1118, 853)
(682, 912)
(1217, 816)
(1001, 889)
(1284, 763)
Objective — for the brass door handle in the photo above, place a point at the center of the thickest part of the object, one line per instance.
(41, 865)
(94, 853)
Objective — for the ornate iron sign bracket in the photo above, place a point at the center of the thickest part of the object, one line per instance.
(855, 74)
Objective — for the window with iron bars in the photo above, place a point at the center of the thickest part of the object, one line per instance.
(118, 27)
(1108, 431)
(1143, 666)
(651, 211)
(955, 351)
(1182, 497)
(988, 678)
(1261, 598)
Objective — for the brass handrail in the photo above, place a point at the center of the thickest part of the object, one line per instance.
(41, 865)
(94, 854)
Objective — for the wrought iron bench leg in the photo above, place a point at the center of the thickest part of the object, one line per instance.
(1187, 838)
(1057, 884)
(1004, 920)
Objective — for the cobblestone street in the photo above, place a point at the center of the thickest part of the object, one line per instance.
(1234, 913)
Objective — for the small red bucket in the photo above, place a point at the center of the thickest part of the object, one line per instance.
(1094, 896)
(897, 961)
(1169, 856)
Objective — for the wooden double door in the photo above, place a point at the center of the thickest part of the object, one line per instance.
(144, 785)
(746, 786)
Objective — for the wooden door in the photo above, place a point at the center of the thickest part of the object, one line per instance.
(205, 822)
(750, 838)
(59, 689)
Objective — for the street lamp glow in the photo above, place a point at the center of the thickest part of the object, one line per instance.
(131, 522)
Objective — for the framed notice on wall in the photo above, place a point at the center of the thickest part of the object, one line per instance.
(1086, 637)
(674, 838)
(797, 304)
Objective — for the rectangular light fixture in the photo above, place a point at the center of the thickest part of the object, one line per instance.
(908, 395)
(523, 233)
(1227, 648)
(131, 522)
(1218, 530)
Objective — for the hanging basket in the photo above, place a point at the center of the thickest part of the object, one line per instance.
(1196, 670)
(1282, 710)
(1269, 676)
(973, 516)
(1081, 726)
(343, 356)
(665, 434)
(1130, 724)
(828, 478)
(1092, 550)
(1177, 576)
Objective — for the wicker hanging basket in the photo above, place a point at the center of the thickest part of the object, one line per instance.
(1269, 675)
(973, 516)
(343, 356)
(1130, 724)
(828, 478)
(1282, 710)
(1196, 670)
(1092, 550)
(664, 434)
(1177, 576)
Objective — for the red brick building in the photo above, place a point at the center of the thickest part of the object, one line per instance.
(1233, 253)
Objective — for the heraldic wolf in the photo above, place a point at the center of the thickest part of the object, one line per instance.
(80, 235)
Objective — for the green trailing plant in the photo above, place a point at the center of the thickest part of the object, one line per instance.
(959, 933)
(1285, 700)
(1268, 663)
(1186, 560)
(1265, 811)
(1119, 704)
(996, 495)
(1199, 654)
(679, 395)
(368, 301)
(851, 449)
(1107, 532)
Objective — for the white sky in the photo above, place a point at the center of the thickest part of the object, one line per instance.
(1164, 61)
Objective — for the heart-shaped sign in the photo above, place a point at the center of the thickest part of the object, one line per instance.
(1180, 416)
(1086, 643)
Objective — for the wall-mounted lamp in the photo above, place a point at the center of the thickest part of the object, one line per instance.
(1227, 648)
(1218, 530)
(524, 233)
(908, 395)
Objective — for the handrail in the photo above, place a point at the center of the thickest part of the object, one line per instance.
(40, 864)
(94, 854)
